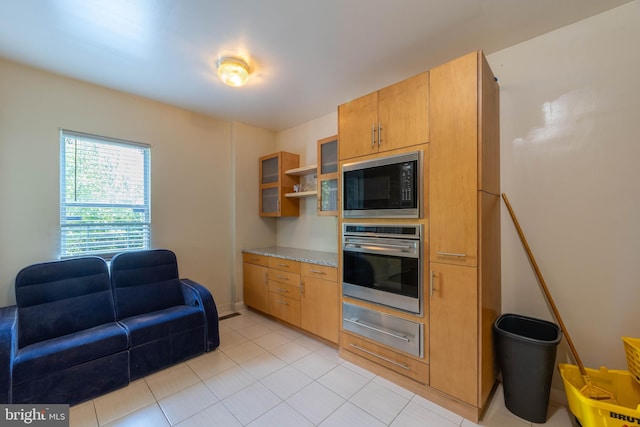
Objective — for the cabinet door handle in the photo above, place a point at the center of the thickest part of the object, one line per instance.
(317, 271)
(301, 288)
(431, 279)
(452, 254)
(379, 135)
(401, 365)
(266, 278)
(373, 135)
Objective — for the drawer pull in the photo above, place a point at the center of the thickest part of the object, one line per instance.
(401, 365)
(283, 265)
(359, 323)
(281, 302)
(317, 271)
(282, 290)
(452, 254)
(283, 278)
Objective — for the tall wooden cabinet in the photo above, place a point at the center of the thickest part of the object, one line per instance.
(391, 118)
(464, 226)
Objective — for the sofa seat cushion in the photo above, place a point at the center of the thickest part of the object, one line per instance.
(161, 324)
(45, 357)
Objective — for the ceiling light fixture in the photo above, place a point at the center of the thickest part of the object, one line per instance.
(233, 71)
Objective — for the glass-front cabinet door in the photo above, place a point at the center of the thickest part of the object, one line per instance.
(328, 176)
(274, 183)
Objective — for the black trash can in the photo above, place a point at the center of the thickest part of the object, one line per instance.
(526, 351)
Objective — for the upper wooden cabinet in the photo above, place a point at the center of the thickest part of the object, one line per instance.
(274, 184)
(464, 155)
(328, 176)
(393, 117)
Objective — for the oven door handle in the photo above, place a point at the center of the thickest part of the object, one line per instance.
(359, 323)
(380, 247)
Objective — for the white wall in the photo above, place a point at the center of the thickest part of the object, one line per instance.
(570, 126)
(308, 231)
(191, 165)
(251, 230)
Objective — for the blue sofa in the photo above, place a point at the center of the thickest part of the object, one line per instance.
(79, 330)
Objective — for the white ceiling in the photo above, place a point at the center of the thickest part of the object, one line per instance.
(307, 56)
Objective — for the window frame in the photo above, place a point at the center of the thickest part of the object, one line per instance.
(65, 227)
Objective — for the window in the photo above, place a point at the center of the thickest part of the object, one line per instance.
(104, 195)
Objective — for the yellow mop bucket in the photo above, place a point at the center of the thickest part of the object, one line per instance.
(632, 350)
(621, 411)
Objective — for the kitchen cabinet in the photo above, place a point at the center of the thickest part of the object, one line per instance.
(464, 228)
(284, 290)
(328, 187)
(454, 327)
(255, 281)
(397, 362)
(390, 118)
(319, 302)
(300, 293)
(275, 183)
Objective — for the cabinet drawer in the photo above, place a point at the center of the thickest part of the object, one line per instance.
(285, 277)
(285, 290)
(398, 333)
(255, 259)
(284, 308)
(284, 265)
(400, 363)
(321, 271)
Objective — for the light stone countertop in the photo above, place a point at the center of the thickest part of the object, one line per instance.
(303, 255)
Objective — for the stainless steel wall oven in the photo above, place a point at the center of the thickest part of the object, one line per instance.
(382, 263)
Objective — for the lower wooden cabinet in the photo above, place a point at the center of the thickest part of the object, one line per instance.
(319, 301)
(299, 293)
(256, 281)
(284, 308)
(454, 331)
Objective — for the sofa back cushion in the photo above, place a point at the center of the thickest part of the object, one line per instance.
(62, 297)
(145, 281)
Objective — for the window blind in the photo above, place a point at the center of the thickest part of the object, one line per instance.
(104, 195)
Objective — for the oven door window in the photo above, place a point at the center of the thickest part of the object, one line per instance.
(397, 275)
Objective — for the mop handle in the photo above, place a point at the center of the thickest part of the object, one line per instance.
(544, 285)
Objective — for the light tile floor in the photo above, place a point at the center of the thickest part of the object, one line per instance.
(266, 374)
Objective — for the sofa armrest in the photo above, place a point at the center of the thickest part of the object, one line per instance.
(198, 296)
(8, 349)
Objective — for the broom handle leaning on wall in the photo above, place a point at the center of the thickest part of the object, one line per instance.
(544, 286)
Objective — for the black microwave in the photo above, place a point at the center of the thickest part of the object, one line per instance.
(387, 187)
